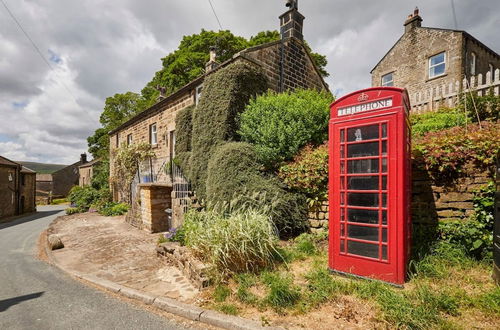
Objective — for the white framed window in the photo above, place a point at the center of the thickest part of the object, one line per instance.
(491, 69)
(473, 59)
(199, 89)
(153, 134)
(437, 65)
(387, 80)
(129, 139)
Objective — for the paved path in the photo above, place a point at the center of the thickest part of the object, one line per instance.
(35, 295)
(111, 249)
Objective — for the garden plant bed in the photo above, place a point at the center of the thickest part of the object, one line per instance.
(447, 289)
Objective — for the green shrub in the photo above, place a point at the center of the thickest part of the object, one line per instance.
(83, 197)
(280, 124)
(234, 171)
(445, 154)
(282, 292)
(72, 210)
(436, 120)
(308, 173)
(225, 94)
(486, 107)
(240, 241)
(113, 209)
(475, 234)
(183, 137)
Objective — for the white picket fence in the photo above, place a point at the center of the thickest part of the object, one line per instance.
(448, 95)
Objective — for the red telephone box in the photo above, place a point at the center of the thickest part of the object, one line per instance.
(370, 184)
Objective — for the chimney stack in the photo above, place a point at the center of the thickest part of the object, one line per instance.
(292, 22)
(83, 158)
(212, 62)
(414, 20)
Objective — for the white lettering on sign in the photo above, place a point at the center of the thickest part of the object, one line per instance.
(364, 107)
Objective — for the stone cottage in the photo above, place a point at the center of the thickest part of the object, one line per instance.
(435, 65)
(17, 189)
(287, 65)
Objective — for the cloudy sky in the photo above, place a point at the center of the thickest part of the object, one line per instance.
(93, 49)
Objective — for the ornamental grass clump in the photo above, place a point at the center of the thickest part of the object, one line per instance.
(243, 240)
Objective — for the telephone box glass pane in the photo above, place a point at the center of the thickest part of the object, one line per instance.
(362, 133)
(384, 217)
(384, 130)
(363, 216)
(384, 148)
(384, 252)
(363, 166)
(384, 235)
(342, 244)
(384, 182)
(362, 249)
(363, 149)
(384, 165)
(360, 199)
(363, 183)
(364, 233)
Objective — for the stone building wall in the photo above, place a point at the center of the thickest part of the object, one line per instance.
(64, 179)
(408, 60)
(8, 197)
(27, 190)
(484, 57)
(85, 174)
(298, 68)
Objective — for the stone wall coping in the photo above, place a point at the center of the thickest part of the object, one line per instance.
(155, 185)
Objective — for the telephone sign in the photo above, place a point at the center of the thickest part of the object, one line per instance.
(370, 184)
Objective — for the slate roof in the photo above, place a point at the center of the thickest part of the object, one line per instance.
(8, 162)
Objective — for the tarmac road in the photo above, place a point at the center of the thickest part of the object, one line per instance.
(35, 295)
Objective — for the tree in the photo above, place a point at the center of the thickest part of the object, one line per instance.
(117, 109)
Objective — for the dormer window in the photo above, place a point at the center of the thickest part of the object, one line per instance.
(473, 63)
(437, 65)
(387, 80)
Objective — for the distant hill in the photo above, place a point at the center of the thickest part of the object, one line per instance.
(43, 168)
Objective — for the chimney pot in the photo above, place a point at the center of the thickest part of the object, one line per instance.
(414, 20)
(83, 158)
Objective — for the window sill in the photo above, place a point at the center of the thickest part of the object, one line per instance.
(154, 146)
(437, 77)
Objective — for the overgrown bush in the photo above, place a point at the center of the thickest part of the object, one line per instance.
(82, 198)
(308, 173)
(239, 241)
(486, 107)
(446, 153)
(475, 234)
(225, 94)
(280, 124)
(437, 120)
(234, 172)
(113, 209)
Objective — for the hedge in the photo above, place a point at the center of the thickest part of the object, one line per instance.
(234, 173)
(184, 130)
(225, 94)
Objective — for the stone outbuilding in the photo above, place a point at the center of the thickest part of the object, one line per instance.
(86, 172)
(287, 65)
(17, 189)
(435, 65)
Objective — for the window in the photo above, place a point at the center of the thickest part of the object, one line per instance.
(129, 139)
(23, 179)
(387, 80)
(153, 136)
(491, 69)
(472, 64)
(437, 65)
(199, 89)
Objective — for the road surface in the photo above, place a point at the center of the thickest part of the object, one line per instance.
(35, 295)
